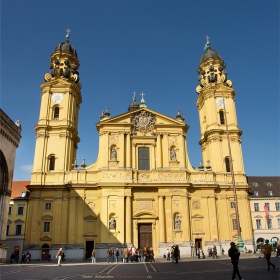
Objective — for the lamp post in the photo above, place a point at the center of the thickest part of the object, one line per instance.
(221, 102)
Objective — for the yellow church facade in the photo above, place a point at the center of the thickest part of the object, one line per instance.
(142, 190)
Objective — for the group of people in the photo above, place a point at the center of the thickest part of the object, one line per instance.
(132, 254)
(25, 257)
(212, 252)
(173, 254)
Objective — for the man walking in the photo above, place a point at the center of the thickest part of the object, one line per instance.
(267, 249)
(58, 256)
(234, 255)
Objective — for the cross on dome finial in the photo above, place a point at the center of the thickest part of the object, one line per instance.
(68, 35)
(142, 95)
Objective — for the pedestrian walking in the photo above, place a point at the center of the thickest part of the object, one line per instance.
(234, 255)
(49, 258)
(267, 249)
(59, 256)
(278, 250)
(93, 260)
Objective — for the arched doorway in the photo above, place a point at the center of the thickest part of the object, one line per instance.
(45, 252)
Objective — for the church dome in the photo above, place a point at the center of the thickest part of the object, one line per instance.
(209, 53)
(66, 46)
(133, 105)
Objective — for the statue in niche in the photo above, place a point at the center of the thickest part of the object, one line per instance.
(177, 222)
(112, 223)
(172, 154)
(113, 154)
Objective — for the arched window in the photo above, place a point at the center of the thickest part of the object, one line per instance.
(52, 163)
(222, 117)
(56, 113)
(227, 164)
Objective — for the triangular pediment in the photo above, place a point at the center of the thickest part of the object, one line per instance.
(258, 216)
(90, 218)
(126, 118)
(45, 238)
(145, 214)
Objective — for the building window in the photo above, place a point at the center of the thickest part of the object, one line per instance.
(52, 163)
(269, 193)
(267, 204)
(278, 221)
(20, 210)
(47, 226)
(227, 164)
(222, 117)
(10, 210)
(269, 224)
(8, 229)
(234, 224)
(259, 223)
(256, 206)
(143, 158)
(256, 193)
(277, 206)
(18, 229)
(48, 206)
(56, 113)
(232, 205)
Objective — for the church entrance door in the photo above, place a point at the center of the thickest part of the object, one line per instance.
(145, 235)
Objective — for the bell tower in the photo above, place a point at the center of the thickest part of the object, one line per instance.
(216, 120)
(57, 128)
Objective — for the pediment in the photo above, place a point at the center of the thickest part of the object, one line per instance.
(258, 216)
(145, 214)
(45, 238)
(19, 221)
(47, 217)
(126, 118)
(90, 218)
(197, 216)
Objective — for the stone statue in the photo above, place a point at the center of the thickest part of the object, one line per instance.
(172, 154)
(177, 222)
(113, 154)
(112, 223)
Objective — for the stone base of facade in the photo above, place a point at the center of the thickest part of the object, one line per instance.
(3, 252)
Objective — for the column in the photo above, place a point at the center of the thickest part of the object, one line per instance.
(153, 156)
(133, 156)
(128, 151)
(165, 151)
(186, 218)
(104, 227)
(169, 219)
(72, 218)
(105, 141)
(128, 219)
(159, 164)
(161, 220)
(121, 150)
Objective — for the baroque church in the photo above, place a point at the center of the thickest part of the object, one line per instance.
(142, 190)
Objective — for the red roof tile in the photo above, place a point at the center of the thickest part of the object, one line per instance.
(18, 187)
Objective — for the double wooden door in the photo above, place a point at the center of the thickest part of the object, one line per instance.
(145, 235)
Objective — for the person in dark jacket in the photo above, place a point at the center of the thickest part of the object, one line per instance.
(176, 253)
(234, 255)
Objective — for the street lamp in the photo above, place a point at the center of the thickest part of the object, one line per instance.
(221, 102)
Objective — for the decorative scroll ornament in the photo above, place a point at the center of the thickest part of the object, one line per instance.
(144, 121)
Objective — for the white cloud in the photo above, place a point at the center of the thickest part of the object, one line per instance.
(27, 167)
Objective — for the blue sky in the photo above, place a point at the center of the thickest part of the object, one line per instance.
(152, 46)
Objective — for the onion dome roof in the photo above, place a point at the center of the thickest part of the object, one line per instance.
(66, 46)
(209, 53)
(134, 104)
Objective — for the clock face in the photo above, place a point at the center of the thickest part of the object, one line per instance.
(57, 98)
(221, 102)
